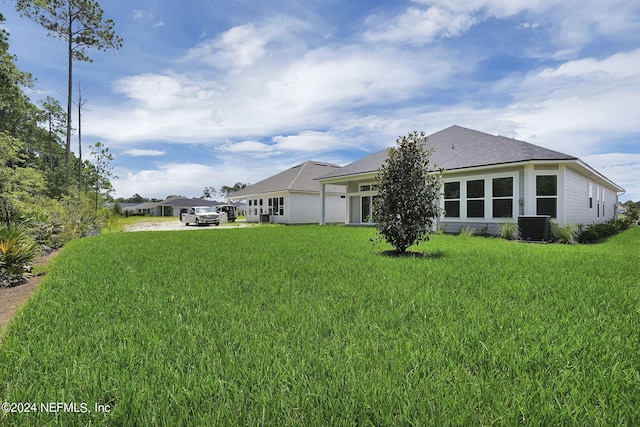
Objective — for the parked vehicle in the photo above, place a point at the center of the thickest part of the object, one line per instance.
(230, 210)
(199, 215)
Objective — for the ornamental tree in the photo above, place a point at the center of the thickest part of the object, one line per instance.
(408, 201)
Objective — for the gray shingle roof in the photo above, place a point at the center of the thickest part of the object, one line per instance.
(298, 178)
(184, 202)
(458, 148)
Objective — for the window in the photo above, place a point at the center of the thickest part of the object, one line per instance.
(547, 195)
(502, 192)
(590, 194)
(366, 208)
(475, 198)
(276, 205)
(250, 202)
(452, 199)
(368, 187)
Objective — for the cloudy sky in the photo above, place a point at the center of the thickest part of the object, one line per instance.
(212, 92)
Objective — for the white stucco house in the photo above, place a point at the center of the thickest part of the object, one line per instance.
(293, 196)
(490, 180)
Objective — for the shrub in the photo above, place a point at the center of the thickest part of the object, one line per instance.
(467, 231)
(509, 231)
(562, 234)
(596, 232)
(17, 251)
(408, 194)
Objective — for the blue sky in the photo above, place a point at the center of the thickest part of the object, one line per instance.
(209, 93)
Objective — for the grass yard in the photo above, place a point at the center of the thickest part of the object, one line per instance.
(313, 326)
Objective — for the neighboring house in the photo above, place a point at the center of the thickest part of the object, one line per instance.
(490, 180)
(292, 196)
(168, 207)
(173, 205)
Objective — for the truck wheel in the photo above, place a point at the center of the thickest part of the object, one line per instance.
(197, 222)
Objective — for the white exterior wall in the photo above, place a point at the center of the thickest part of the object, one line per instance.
(259, 205)
(299, 208)
(578, 208)
(304, 208)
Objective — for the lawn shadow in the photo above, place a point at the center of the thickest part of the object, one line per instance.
(412, 254)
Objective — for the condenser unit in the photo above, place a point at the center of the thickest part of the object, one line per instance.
(535, 228)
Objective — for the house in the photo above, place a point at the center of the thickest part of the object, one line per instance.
(169, 207)
(490, 180)
(292, 196)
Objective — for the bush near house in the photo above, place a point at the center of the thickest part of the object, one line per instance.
(596, 232)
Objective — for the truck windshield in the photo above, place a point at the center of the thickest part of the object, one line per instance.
(204, 210)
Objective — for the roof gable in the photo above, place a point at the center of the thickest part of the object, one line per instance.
(297, 178)
(458, 148)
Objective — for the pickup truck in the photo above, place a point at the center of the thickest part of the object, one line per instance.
(199, 215)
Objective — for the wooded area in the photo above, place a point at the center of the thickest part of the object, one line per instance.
(48, 196)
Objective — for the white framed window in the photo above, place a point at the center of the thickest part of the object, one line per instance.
(502, 191)
(452, 199)
(547, 195)
(475, 198)
(486, 196)
(276, 205)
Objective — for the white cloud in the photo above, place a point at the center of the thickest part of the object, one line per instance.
(579, 104)
(308, 142)
(419, 26)
(142, 14)
(277, 89)
(247, 147)
(311, 90)
(528, 26)
(573, 23)
(621, 168)
(189, 179)
(142, 153)
(246, 45)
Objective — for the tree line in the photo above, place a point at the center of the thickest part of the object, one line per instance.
(48, 195)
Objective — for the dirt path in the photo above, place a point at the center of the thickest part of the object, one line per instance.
(12, 298)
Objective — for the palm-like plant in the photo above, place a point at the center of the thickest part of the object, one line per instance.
(17, 252)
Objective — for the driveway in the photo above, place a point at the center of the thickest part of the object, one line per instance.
(177, 225)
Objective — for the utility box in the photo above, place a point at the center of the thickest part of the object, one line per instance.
(536, 228)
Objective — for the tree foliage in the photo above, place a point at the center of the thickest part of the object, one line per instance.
(226, 190)
(408, 201)
(100, 171)
(37, 204)
(79, 23)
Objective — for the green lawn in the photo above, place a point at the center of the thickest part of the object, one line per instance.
(314, 326)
